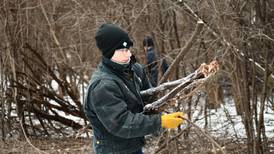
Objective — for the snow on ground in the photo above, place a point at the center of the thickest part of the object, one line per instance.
(82, 90)
(225, 121)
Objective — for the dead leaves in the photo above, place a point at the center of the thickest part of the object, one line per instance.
(211, 68)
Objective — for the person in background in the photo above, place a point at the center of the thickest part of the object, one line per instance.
(152, 61)
(113, 103)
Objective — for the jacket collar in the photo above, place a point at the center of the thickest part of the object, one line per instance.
(119, 68)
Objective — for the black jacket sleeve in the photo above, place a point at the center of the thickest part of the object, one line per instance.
(111, 109)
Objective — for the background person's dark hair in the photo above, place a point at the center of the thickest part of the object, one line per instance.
(148, 41)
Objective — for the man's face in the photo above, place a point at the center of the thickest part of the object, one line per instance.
(145, 48)
(121, 56)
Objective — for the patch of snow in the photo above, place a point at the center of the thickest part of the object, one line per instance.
(225, 121)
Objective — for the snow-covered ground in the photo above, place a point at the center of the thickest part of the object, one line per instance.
(225, 122)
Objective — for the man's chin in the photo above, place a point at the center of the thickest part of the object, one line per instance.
(126, 61)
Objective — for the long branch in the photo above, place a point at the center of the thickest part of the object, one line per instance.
(184, 86)
(167, 85)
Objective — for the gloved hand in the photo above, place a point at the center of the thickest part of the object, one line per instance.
(172, 120)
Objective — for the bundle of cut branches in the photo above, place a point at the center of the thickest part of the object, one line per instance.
(200, 76)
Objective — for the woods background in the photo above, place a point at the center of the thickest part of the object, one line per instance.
(48, 53)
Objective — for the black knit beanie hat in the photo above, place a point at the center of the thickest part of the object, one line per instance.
(110, 38)
(148, 41)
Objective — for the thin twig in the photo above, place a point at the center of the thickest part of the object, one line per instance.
(206, 135)
(27, 139)
(169, 140)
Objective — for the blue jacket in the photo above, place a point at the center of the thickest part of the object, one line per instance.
(114, 107)
(153, 66)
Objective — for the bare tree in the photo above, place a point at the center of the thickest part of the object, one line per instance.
(48, 53)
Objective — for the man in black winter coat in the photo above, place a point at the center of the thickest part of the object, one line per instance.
(153, 62)
(113, 103)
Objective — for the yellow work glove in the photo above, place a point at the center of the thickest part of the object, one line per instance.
(172, 120)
